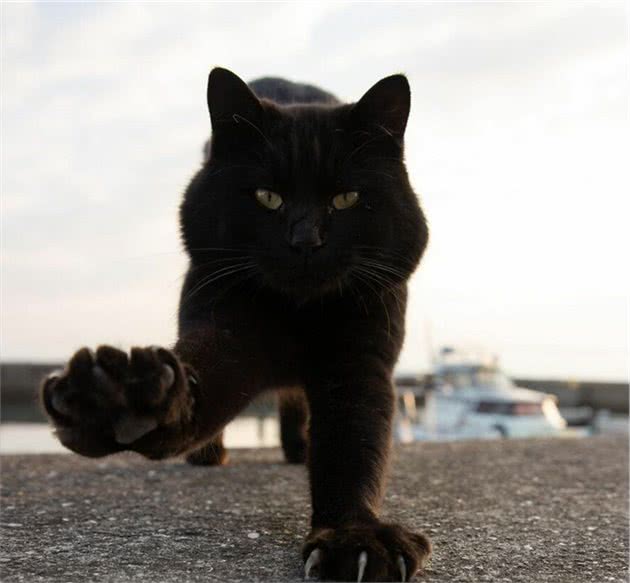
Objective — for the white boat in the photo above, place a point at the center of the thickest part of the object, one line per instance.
(469, 397)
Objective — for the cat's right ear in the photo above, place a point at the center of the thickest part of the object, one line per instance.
(229, 98)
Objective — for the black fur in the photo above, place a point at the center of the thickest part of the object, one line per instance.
(306, 296)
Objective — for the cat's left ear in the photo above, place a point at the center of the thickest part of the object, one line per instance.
(385, 105)
(229, 98)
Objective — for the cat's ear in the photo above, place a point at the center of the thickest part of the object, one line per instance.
(385, 105)
(229, 98)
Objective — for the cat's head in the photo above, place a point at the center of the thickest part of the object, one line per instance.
(305, 199)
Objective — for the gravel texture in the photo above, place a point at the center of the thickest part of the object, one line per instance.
(527, 510)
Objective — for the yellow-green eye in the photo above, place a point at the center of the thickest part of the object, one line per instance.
(269, 199)
(345, 200)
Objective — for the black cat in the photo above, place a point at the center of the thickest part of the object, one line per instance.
(302, 230)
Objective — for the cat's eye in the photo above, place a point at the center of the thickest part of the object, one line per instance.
(268, 199)
(345, 200)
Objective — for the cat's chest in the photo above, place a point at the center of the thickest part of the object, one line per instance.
(348, 317)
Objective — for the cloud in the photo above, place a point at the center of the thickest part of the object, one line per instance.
(515, 143)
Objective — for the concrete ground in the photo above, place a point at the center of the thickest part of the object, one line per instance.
(530, 510)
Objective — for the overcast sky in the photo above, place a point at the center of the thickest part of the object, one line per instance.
(517, 145)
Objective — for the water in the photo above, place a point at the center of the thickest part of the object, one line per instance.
(28, 438)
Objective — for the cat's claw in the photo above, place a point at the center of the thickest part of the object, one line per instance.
(312, 562)
(363, 558)
(130, 427)
(403, 568)
(314, 559)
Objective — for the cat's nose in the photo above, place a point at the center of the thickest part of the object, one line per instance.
(306, 234)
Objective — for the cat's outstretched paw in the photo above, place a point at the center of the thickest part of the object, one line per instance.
(103, 402)
(365, 552)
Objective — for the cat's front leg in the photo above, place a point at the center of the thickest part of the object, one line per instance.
(351, 416)
(108, 400)
(160, 402)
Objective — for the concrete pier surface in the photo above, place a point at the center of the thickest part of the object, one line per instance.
(522, 510)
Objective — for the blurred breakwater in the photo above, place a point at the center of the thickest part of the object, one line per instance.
(573, 393)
